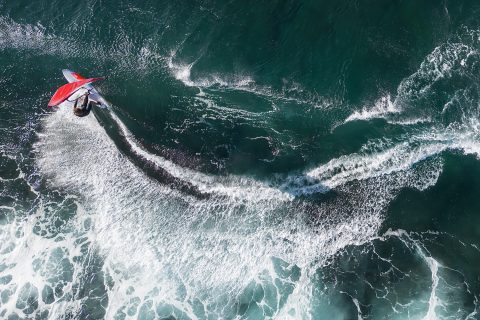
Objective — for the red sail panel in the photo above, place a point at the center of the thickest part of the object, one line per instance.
(78, 76)
(67, 90)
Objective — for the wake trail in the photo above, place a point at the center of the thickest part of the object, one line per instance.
(226, 239)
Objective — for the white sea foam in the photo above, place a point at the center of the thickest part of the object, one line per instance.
(291, 91)
(382, 107)
(182, 72)
(410, 121)
(235, 187)
(433, 302)
(360, 167)
(453, 58)
(411, 241)
(35, 261)
(205, 247)
(385, 161)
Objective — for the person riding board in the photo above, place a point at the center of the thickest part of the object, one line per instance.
(83, 105)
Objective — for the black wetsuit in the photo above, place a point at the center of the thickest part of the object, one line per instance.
(82, 106)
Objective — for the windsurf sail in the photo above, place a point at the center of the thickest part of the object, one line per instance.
(77, 76)
(68, 89)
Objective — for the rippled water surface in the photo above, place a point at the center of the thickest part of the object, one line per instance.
(261, 160)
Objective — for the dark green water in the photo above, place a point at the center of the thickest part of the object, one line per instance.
(261, 160)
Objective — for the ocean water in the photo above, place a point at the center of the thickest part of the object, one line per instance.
(261, 160)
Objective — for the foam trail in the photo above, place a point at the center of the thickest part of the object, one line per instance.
(291, 92)
(235, 187)
(182, 72)
(382, 158)
(433, 302)
(382, 107)
(226, 240)
(360, 167)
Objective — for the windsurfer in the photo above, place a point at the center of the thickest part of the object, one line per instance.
(83, 105)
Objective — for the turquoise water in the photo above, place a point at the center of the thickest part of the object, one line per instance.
(261, 160)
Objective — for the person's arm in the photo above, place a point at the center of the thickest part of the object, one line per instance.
(85, 101)
(93, 98)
